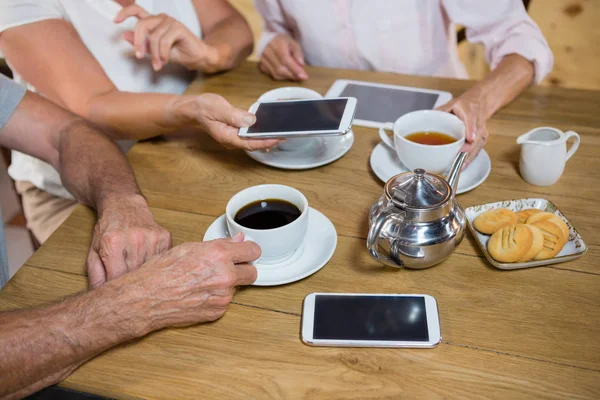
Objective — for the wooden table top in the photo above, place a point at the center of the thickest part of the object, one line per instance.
(506, 334)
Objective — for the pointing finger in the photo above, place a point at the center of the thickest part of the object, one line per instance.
(131, 11)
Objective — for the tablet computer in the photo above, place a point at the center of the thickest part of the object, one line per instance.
(380, 104)
(301, 118)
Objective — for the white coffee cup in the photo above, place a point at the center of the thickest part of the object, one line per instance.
(277, 244)
(544, 154)
(432, 158)
(291, 93)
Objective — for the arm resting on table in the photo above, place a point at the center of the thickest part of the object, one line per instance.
(42, 346)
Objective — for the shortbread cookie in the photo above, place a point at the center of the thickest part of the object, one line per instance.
(555, 219)
(492, 220)
(510, 243)
(553, 239)
(536, 245)
(524, 214)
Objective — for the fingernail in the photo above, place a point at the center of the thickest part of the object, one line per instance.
(303, 75)
(248, 119)
(474, 135)
(156, 66)
(138, 54)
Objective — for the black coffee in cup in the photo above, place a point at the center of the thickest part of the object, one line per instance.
(267, 214)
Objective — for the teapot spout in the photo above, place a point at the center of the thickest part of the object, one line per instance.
(454, 172)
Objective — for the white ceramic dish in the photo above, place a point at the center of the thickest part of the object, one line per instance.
(572, 250)
(385, 164)
(318, 248)
(319, 152)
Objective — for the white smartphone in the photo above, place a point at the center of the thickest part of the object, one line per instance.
(370, 320)
(380, 104)
(301, 118)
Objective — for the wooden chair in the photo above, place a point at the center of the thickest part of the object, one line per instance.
(462, 35)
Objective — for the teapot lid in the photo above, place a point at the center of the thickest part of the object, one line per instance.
(417, 189)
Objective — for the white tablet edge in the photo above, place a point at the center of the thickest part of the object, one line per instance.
(338, 87)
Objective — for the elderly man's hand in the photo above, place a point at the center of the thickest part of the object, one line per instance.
(468, 108)
(125, 236)
(193, 282)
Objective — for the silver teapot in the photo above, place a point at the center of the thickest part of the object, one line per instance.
(417, 223)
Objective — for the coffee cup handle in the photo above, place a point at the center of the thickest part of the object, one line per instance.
(388, 141)
(575, 145)
(248, 238)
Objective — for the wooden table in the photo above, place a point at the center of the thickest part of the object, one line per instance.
(507, 334)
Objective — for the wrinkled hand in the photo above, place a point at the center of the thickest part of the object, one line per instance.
(468, 108)
(125, 236)
(212, 114)
(282, 59)
(194, 282)
(166, 39)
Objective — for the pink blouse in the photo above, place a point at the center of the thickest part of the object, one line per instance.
(405, 36)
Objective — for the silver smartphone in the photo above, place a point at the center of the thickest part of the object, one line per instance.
(301, 118)
(370, 320)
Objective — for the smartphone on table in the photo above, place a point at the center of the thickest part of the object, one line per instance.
(301, 118)
(370, 320)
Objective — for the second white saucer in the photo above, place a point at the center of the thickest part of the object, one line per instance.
(385, 163)
(317, 249)
(321, 152)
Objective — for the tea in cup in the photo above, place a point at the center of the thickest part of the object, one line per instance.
(427, 139)
(544, 154)
(291, 93)
(273, 216)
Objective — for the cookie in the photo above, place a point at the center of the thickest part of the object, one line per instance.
(524, 214)
(536, 245)
(555, 219)
(553, 239)
(493, 220)
(510, 243)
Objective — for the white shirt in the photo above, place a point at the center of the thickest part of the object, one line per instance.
(405, 36)
(93, 21)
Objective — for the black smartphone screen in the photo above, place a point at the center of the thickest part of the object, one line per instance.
(306, 115)
(389, 318)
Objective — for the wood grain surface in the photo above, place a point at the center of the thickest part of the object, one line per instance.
(506, 334)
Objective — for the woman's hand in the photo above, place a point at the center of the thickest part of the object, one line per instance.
(212, 114)
(165, 39)
(282, 59)
(468, 108)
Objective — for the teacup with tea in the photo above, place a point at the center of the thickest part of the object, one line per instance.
(273, 216)
(427, 139)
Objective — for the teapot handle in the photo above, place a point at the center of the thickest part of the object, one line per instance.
(372, 241)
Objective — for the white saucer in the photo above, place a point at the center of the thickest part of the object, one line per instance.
(385, 164)
(315, 252)
(322, 151)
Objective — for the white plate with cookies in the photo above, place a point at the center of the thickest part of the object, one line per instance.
(524, 233)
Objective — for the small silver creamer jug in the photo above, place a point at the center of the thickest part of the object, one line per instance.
(417, 223)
